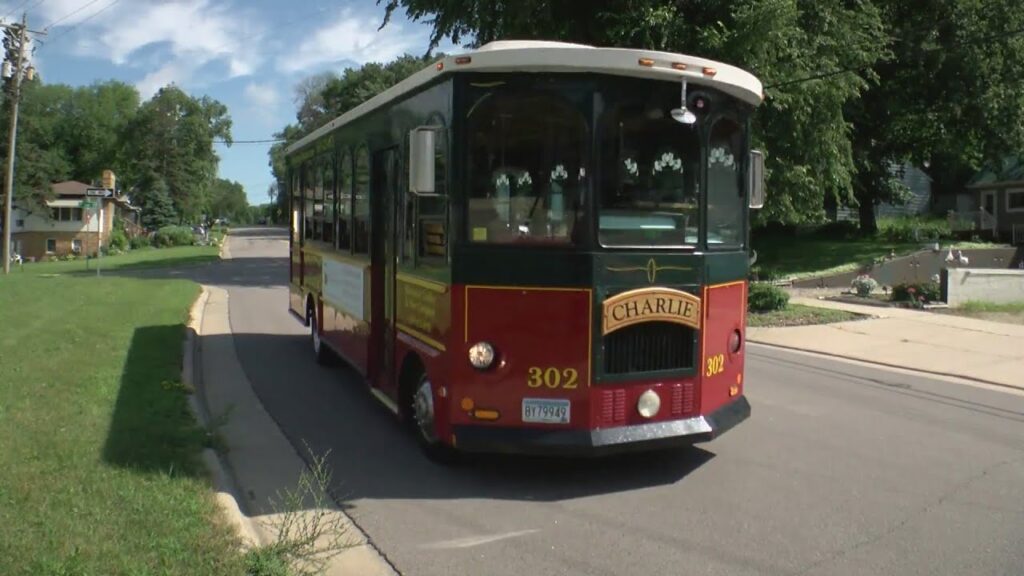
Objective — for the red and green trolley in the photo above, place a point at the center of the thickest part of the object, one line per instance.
(537, 247)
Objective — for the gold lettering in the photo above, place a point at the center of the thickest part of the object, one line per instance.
(649, 304)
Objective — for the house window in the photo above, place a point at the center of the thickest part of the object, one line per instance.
(1015, 200)
(20, 223)
(51, 245)
(63, 214)
(76, 246)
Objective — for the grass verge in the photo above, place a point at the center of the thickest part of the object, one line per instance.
(1010, 312)
(799, 315)
(806, 257)
(141, 258)
(101, 472)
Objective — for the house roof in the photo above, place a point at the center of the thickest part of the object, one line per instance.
(70, 188)
(1011, 170)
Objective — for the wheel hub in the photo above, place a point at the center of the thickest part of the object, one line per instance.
(423, 410)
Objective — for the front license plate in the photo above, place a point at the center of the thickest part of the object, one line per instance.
(545, 411)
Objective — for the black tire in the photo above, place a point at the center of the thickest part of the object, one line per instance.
(421, 415)
(320, 351)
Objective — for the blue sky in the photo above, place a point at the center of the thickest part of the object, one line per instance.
(247, 54)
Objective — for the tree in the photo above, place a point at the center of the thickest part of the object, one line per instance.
(950, 97)
(158, 208)
(801, 125)
(171, 139)
(228, 200)
(92, 125)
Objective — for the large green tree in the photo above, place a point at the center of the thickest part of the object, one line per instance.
(326, 96)
(228, 200)
(950, 97)
(171, 140)
(786, 43)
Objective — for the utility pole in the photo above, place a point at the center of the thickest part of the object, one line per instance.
(21, 31)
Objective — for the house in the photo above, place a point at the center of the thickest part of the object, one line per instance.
(70, 225)
(918, 202)
(999, 200)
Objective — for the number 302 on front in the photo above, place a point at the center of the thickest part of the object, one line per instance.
(545, 411)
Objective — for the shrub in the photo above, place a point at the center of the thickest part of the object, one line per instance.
(118, 240)
(173, 236)
(141, 242)
(916, 292)
(911, 229)
(864, 285)
(766, 298)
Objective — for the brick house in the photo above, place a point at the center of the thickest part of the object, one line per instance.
(67, 228)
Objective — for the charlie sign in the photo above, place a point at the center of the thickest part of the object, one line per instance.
(651, 305)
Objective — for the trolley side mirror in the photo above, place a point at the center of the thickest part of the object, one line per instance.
(757, 193)
(421, 160)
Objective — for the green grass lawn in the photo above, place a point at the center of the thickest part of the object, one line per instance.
(795, 257)
(142, 258)
(799, 315)
(1011, 312)
(100, 469)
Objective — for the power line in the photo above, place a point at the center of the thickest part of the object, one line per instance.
(70, 14)
(13, 10)
(84, 20)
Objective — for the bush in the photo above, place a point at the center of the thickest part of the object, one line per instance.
(118, 240)
(173, 236)
(141, 242)
(916, 293)
(766, 298)
(911, 229)
(864, 285)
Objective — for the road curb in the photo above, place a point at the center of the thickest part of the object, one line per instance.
(889, 365)
(224, 485)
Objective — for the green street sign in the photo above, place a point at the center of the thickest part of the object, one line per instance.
(87, 204)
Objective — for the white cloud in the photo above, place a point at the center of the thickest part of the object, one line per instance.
(354, 38)
(193, 32)
(262, 96)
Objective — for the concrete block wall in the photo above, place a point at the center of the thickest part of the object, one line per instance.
(960, 285)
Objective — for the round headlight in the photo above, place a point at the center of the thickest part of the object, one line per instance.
(648, 404)
(481, 355)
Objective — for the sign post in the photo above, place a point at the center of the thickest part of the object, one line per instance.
(92, 203)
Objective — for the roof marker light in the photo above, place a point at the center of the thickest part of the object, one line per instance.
(709, 71)
(679, 65)
(649, 62)
(463, 59)
(439, 65)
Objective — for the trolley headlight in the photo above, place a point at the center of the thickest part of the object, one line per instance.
(481, 355)
(648, 404)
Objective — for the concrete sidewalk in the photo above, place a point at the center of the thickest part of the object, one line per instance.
(943, 344)
(259, 463)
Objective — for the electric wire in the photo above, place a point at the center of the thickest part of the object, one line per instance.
(83, 21)
(70, 14)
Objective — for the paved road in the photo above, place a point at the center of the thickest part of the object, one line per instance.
(842, 470)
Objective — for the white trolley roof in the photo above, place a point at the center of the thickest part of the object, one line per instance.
(541, 56)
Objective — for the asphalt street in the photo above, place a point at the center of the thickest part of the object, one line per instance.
(842, 469)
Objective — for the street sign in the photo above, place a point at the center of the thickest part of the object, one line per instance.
(98, 192)
(87, 204)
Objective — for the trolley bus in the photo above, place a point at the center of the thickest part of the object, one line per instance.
(536, 247)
